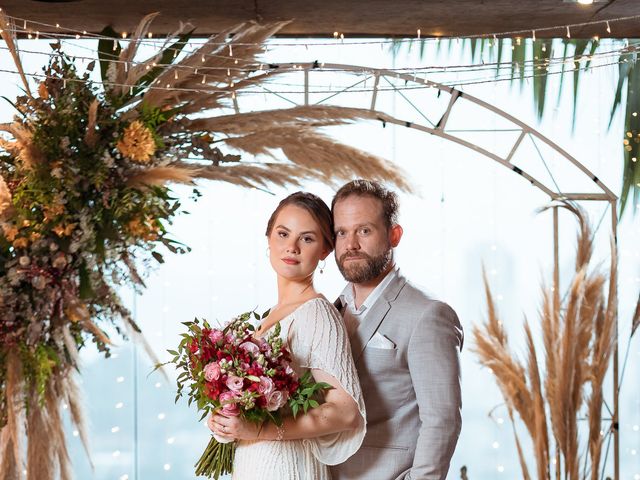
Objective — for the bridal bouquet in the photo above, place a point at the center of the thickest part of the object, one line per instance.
(231, 371)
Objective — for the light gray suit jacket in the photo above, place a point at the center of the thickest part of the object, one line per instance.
(411, 392)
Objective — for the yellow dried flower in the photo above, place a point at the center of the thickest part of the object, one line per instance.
(64, 231)
(136, 227)
(52, 211)
(137, 143)
(20, 243)
(76, 311)
(42, 91)
(10, 232)
(5, 196)
(35, 236)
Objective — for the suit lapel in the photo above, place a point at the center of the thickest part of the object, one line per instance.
(374, 318)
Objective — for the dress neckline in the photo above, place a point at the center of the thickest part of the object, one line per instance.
(286, 317)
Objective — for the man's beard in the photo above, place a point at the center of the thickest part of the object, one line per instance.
(372, 268)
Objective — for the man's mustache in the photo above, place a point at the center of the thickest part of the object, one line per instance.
(346, 255)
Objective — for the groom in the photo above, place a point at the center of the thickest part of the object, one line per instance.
(406, 346)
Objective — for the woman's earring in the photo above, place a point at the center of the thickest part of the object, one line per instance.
(324, 264)
(268, 252)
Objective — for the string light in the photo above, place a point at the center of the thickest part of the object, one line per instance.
(568, 32)
(414, 71)
(533, 35)
(418, 33)
(608, 27)
(389, 41)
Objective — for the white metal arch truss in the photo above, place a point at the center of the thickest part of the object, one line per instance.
(439, 128)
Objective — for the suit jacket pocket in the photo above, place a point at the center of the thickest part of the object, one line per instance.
(380, 353)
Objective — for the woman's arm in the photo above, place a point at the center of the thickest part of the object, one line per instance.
(339, 413)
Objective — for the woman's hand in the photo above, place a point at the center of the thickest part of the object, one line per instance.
(233, 427)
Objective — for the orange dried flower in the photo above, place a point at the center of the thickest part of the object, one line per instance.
(20, 243)
(137, 143)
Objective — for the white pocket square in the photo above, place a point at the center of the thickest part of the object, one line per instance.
(380, 341)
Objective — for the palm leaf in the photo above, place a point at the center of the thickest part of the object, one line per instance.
(580, 47)
(624, 70)
(518, 56)
(565, 54)
(541, 55)
(631, 168)
(499, 55)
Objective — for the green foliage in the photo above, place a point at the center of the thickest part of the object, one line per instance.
(304, 397)
(76, 226)
(531, 58)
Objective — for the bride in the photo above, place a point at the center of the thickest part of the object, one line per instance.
(300, 235)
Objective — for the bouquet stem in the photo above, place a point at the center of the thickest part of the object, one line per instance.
(216, 460)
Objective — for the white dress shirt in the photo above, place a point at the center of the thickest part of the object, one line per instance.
(353, 316)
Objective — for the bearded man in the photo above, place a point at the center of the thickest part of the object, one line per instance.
(406, 346)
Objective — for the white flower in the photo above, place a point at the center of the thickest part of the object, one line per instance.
(111, 73)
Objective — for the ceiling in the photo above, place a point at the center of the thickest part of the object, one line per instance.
(353, 18)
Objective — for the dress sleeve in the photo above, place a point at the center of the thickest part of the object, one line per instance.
(327, 348)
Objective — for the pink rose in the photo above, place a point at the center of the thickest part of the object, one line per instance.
(276, 400)
(229, 405)
(212, 372)
(250, 347)
(266, 386)
(235, 383)
(215, 335)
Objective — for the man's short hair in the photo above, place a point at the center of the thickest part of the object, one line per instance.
(369, 188)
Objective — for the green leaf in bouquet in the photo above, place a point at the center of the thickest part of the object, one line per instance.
(172, 352)
(168, 54)
(253, 378)
(324, 386)
(313, 403)
(158, 257)
(294, 409)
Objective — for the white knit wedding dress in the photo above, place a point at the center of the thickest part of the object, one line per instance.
(316, 337)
